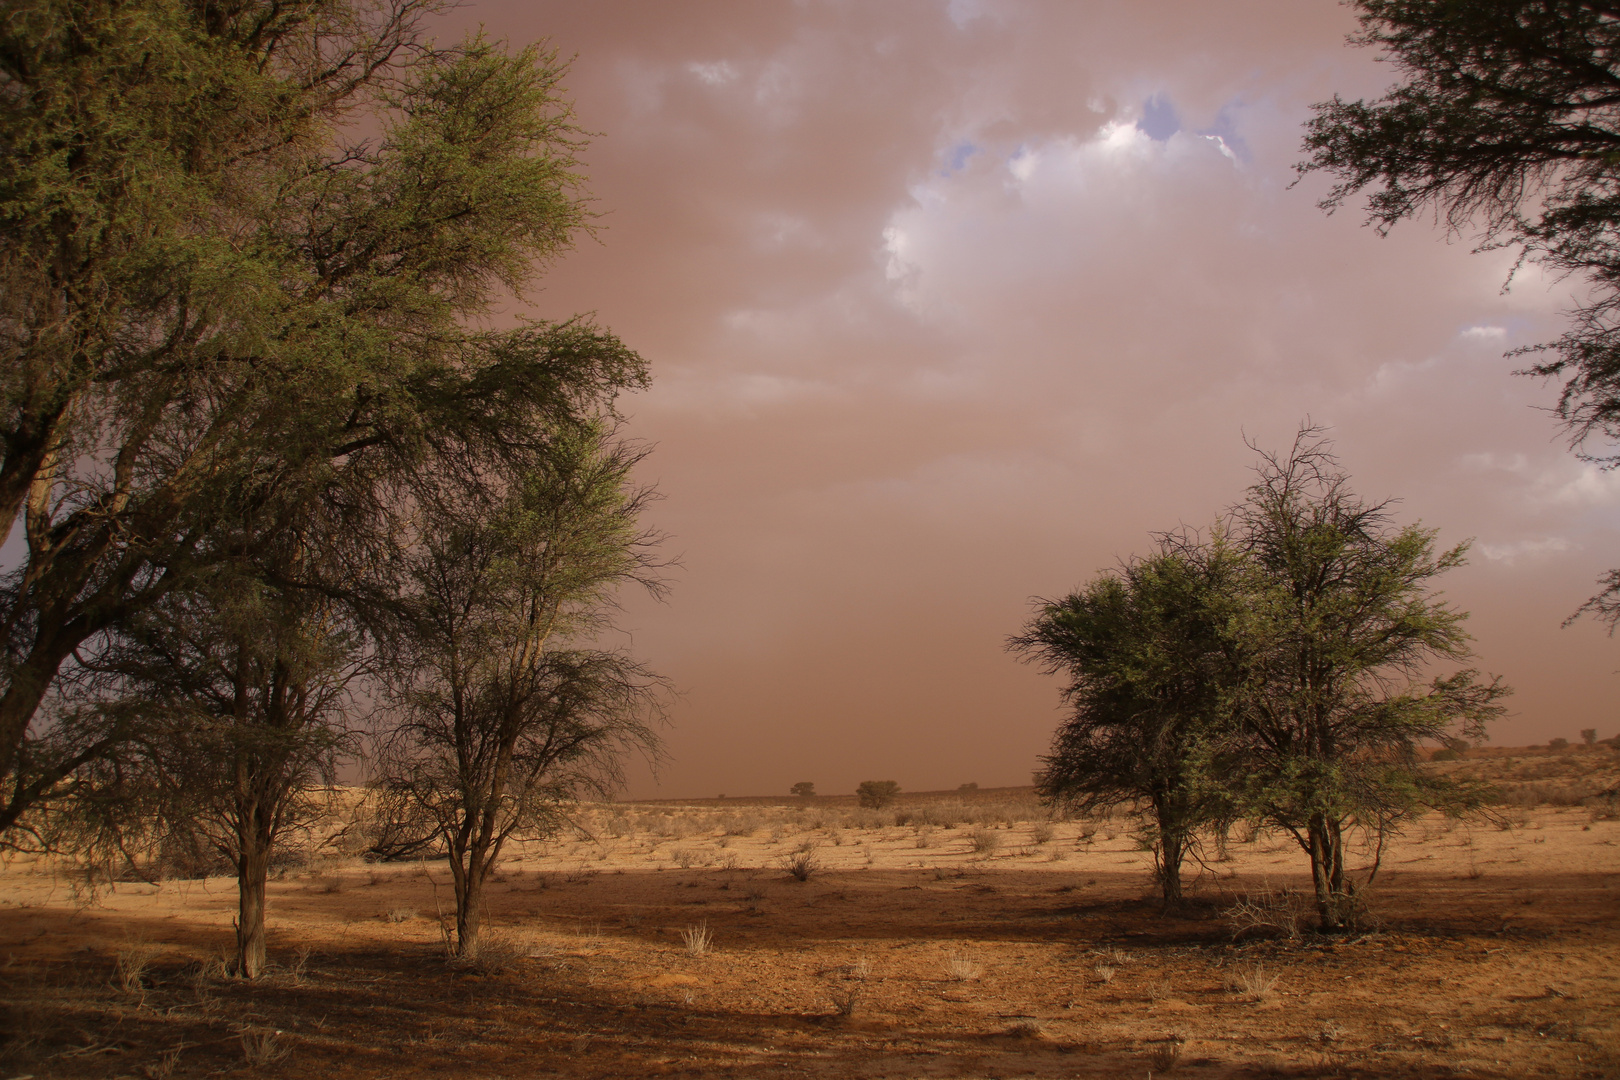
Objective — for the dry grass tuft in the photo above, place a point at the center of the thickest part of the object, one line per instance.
(845, 998)
(699, 939)
(131, 963)
(263, 1046)
(963, 968)
(1269, 913)
(165, 1065)
(1167, 1054)
(1255, 983)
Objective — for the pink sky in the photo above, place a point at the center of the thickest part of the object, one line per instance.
(950, 304)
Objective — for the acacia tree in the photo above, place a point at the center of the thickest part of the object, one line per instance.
(506, 711)
(1337, 628)
(1505, 125)
(217, 304)
(239, 700)
(1151, 669)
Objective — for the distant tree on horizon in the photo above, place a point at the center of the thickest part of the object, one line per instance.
(877, 794)
(804, 789)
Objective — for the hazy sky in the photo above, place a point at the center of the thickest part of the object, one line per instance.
(950, 304)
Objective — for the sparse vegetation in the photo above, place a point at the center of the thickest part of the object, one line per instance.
(1267, 912)
(1166, 1054)
(589, 948)
(984, 841)
(131, 964)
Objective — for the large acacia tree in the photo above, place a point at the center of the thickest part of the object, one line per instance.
(1150, 669)
(247, 249)
(1506, 125)
(1338, 629)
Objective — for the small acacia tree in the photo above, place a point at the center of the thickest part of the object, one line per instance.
(804, 789)
(505, 712)
(1150, 672)
(238, 700)
(1338, 627)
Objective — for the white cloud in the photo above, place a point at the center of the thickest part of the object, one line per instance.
(716, 74)
(1483, 333)
(1530, 550)
(1590, 486)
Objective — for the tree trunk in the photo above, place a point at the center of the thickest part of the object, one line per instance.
(1172, 849)
(1327, 871)
(252, 871)
(468, 868)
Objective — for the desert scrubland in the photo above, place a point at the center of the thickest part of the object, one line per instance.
(949, 934)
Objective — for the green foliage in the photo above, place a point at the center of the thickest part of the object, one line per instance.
(1504, 124)
(1149, 679)
(1274, 672)
(877, 793)
(223, 309)
(507, 710)
(1335, 632)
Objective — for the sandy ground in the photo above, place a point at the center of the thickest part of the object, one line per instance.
(1005, 948)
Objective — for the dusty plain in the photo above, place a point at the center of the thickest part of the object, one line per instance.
(948, 935)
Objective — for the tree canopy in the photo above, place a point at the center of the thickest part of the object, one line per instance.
(1506, 126)
(1149, 678)
(246, 274)
(1338, 628)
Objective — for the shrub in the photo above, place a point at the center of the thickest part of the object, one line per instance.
(1558, 744)
(1589, 736)
(1446, 754)
(804, 789)
(876, 794)
(1277, 912)
(801, 864)
(984, 841)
